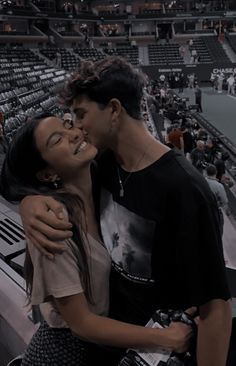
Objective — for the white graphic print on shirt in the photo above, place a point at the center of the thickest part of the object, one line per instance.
(127, 237)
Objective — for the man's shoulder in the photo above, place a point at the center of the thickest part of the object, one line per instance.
(214, 182)
(187, 177)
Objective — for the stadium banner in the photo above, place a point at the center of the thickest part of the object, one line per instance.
(202, 71)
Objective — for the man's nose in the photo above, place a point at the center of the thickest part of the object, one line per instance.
(78, 123)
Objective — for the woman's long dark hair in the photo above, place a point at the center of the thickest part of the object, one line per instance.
(18, 180)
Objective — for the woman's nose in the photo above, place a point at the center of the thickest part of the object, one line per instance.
(75, 134)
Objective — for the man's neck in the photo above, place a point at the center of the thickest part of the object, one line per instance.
(134, 147)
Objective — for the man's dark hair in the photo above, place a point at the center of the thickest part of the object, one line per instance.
(100, 81)
(211, 170)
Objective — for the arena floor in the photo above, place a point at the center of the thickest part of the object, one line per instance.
(218, 108)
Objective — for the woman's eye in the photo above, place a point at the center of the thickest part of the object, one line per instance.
(56, 140)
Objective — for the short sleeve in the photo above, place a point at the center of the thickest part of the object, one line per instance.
(57, 278)
(201, 268)
(190, 270)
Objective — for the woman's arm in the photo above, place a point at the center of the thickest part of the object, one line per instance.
(98, 329)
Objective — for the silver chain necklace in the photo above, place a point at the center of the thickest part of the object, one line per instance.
(122, 184)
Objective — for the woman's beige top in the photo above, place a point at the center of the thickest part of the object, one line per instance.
(61, 277)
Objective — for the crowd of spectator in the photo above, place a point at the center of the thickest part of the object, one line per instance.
(221, 81)
(179, 130)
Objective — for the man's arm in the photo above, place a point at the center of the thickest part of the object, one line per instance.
(45, 223)
(214, 331)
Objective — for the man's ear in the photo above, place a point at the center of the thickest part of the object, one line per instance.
(116, 108)
(47, 175)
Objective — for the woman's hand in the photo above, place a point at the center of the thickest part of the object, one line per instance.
(178, 337)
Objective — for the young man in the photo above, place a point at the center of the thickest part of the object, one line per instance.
(159, 219)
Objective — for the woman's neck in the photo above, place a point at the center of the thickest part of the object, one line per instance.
(81, 185)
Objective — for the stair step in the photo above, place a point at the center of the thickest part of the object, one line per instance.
(229, 51)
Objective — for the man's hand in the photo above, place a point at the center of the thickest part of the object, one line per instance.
(45, 223)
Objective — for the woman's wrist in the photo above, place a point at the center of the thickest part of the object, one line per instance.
(163, 338)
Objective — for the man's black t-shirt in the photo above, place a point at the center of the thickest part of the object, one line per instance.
(163, 237)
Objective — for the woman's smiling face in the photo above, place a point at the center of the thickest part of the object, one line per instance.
(65, 150)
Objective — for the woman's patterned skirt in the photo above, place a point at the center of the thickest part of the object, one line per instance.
(55, 347)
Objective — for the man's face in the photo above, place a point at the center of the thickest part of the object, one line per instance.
(94, 121)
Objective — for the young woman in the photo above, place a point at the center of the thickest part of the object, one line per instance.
(72, 290)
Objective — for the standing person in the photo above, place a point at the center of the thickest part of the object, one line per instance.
(181, 82)
(219, 192)
(210, 150)
(182, 51)
(198, 98)
(162, 79)
(220, 82)
(72, 290)
(159, 219)
(219, 163)
(58, 59)
(188, 140)
(198, 156)
(191, 79)
(194, 55)
(231, 84)
(212, 80)
(175, 137)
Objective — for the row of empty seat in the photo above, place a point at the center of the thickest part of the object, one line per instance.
(164, 54)
(203, 52)
(27, 85)
(89, 53)
(215, 48)
(131, 53)
(62, 57)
